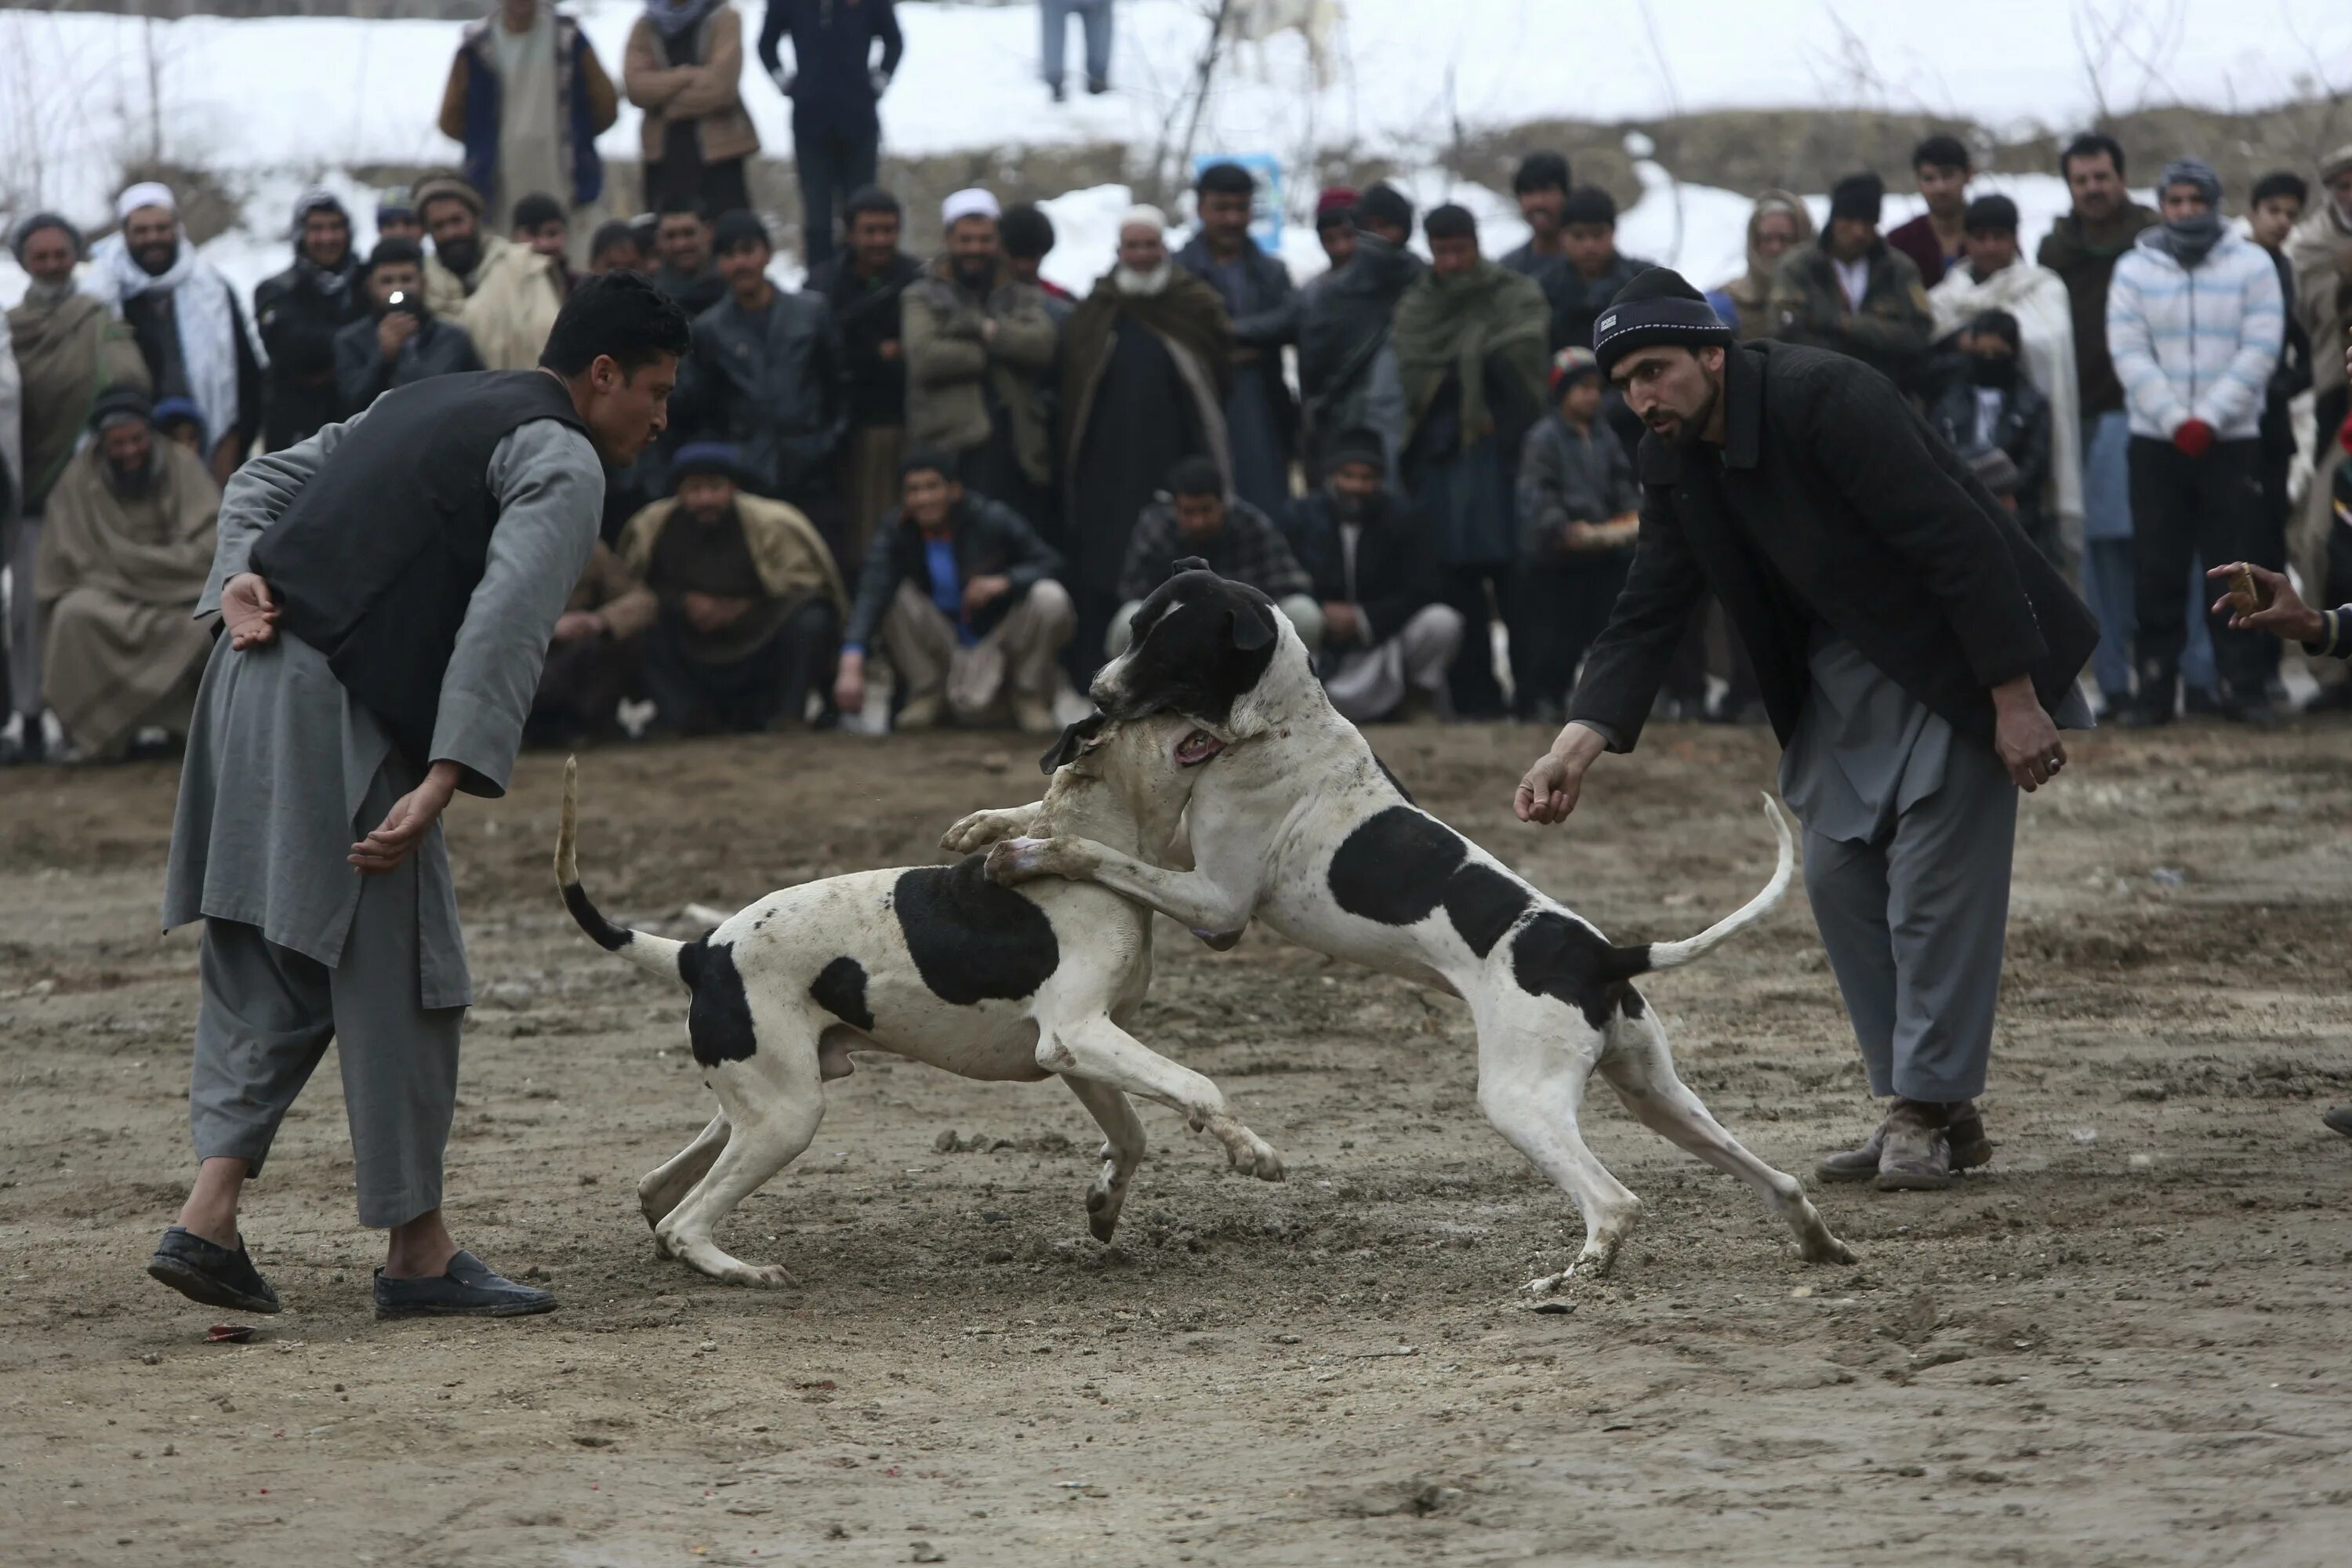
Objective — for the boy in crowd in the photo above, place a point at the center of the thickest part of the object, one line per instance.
(1995, 405)
(1578, 506)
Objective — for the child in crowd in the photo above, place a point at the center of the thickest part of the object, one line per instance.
(1578, 502)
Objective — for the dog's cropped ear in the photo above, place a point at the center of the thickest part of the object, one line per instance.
(1252, 627)
(1190, 563)
(1073, 743)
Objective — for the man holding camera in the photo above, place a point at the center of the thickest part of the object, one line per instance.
(400, 341)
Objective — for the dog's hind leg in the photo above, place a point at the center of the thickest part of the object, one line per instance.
(1122, 1151)
(774, 1100)
(1093, 1046)
(1641, 1068)
(663, 1187)
(1532, 1086)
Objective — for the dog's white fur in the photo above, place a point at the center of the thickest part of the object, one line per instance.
(1126, 788)
(1294, 781)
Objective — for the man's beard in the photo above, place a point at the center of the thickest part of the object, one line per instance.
(1690, 431)
(131, 484)
(461, 255)
(712, 517)
(156, 259)
(975, 272)
(1128, 280)
(36, 292)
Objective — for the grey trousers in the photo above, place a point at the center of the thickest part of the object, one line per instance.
(265, 1018)
(1913, 925)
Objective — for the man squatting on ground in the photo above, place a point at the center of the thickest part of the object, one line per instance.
(363, 680)
(1911, 646)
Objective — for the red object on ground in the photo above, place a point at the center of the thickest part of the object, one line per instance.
(231, 1334)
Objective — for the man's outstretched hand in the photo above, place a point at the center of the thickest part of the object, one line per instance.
(405, 826)
(1549, 792)
(248, 612)
(2281, 610)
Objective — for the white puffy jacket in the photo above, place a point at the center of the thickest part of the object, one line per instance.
(2196, 342)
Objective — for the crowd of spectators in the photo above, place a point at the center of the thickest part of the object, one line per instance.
(949, 469)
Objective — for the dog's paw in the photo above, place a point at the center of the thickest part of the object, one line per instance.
(978, 831)
(1827, 1248)
(1014, 861)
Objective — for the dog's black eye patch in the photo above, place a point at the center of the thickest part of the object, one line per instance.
(719, 1022)
(973, 941)
(1400, 864)
(840, 989)
(1566, 959)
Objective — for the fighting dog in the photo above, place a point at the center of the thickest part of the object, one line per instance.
(938, 965)
(1300, 827)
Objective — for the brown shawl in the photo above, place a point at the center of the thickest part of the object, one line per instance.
(1188, 315)
(67, 352)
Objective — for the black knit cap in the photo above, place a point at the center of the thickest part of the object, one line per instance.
(121, 403)
(1659, 306)
(1857, 196)
(1357, 444)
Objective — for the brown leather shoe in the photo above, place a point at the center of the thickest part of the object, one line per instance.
(1963, 1132)
(1854, 1164)
(1915, 1150)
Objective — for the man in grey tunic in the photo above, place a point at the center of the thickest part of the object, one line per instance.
(387, 590)
(1911, 648)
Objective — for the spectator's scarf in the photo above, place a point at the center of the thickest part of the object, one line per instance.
(676, 18)
(330, 281)
(1460, 325)
(201, 306)
(2188, 240)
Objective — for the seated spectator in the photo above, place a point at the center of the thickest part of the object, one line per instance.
(1388, 642)
(961, 593)
(1851, 291)
(125, 550)
(505, 295)
(396, 218)
(541, 225)
(1995, 405)
(614, 248)
(399, 341)
(1195, 517)
(750, 603)
(297, 313)
(179, 421)
(1935, 240)
(682, 238)
(592, 663)
(1578, 510)
(683, 65)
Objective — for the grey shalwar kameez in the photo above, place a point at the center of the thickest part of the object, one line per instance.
(285, 772)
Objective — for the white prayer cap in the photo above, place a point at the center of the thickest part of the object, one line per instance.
(971, 203)
(146, 193)
(1143, 217)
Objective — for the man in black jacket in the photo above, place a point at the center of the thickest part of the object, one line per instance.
(835, 83)
(1261, 419)
(1910, 646)
(298, 312)
(401, 342)
(961, 593)
(1388, 642)
(865, 284)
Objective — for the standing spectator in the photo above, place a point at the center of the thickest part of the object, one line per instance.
(750, 602)
(864, 286)
(541, 228)
(768, 376)
(1578, 511)
(592, 663)
(977, 341)
(614, 248)
(505, 296)
(396, 217)
(12, 487)
(1540, 186)
(66, 347)
(1145, 365)
(1347, 364)
(1852, 292)
(961, 593)
(1997, 407)
(1993, 276)
(1335, 227)
(1592, 269)
(2274, 208)
(2195, 322)
(528, 98)
(2321, 250)
(124, 555)
(1261, 419)
(1470, 357)
(682, 66)
(1195, 518)
(688, 272)
(1936, 239)
(1388, 642)
(1095, 18)
(834, 85)
(1026, 236)
(2082, 248)
(298, 312)
(1777, 224)
(400, 341)
(190, 329)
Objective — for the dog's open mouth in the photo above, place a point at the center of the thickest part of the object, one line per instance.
(1197, 748)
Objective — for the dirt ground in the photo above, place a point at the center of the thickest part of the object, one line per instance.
(2125, 1343)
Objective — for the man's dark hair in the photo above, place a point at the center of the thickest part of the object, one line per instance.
(2280, 183)
(539, 208)
(1541, 172)
(1332, 217)
(617, 313)
(872, 199)
(677, 202)
(395, 253)
(1023, 230)
(1226, 180)
(608, 236)
(1941, 152)
(2090, 144)
(1386, 205)
(1195, 476)
(737, 229)
(1997, 324)
(1590, 204)
(926, 460)
(1450, 222)
(1989, 215)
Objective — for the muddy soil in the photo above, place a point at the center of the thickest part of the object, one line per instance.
(2124, 1344)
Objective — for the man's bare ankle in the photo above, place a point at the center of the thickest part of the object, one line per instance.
(217, 1228)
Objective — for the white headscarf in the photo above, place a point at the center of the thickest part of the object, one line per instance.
(971, 203)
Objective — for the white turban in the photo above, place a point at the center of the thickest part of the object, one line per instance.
(1146, 217)
(146, 193)
(971, 203)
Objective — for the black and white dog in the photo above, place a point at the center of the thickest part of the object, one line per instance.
(936, 964)
(1300, 827)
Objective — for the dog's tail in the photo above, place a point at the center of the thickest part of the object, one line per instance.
(644, 949)
(1667, 954)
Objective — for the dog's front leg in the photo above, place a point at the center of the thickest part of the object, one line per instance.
(1215, 912)
(982, 828)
